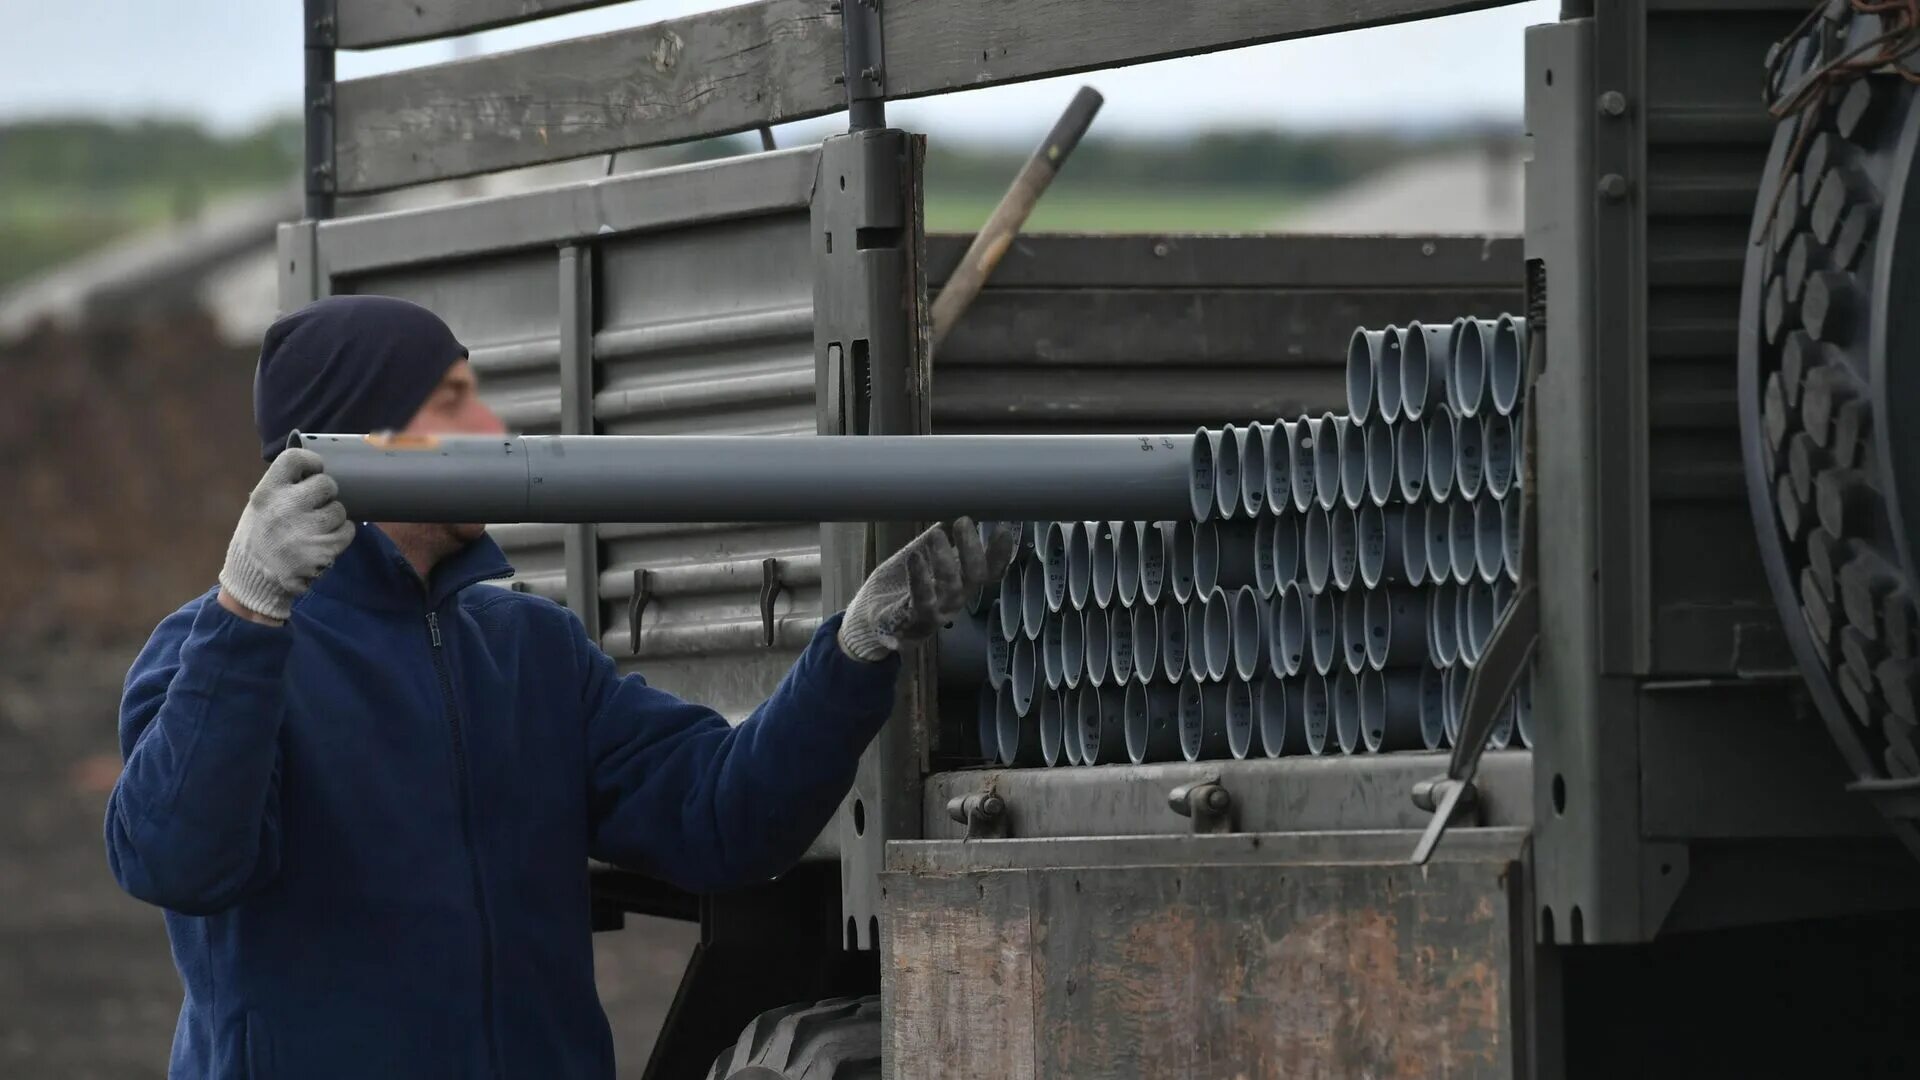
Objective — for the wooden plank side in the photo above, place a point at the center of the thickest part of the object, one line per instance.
(1287, 328)
(935, 46)
(707, 74)
(1382, 971)
(367, 24)
(956, 976)
(1261, 260)
(769, 63)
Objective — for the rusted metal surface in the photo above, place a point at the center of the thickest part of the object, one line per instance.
(1284, 969)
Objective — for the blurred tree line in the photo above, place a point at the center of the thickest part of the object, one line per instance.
(68, 185)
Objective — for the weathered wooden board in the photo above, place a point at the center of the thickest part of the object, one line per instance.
(707, 74)
(959, 996)
(366, 24)
(935, 46)
(769, 63)
(1205, 971)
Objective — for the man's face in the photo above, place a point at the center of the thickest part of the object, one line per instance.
(455, 408)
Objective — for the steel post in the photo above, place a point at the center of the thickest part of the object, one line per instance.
(1523, 709)
(724, 478)
(1510, 538)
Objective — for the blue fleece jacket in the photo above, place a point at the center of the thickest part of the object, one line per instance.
(370, 827)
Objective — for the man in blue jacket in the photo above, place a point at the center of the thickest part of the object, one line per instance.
(365, 791)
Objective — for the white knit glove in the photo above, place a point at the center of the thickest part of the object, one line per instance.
(923, 585)
(293, 528)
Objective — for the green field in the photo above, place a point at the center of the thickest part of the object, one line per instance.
(1085, 208)
(41, 227)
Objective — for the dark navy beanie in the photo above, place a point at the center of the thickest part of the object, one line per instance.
(348, 365)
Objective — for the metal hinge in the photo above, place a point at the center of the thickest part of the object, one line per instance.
(984, 813)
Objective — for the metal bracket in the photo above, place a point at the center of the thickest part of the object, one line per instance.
(770, 587)
(637, 607)
(984, 813)
(1205, 803)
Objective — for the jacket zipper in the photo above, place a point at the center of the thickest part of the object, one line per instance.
(462, 787)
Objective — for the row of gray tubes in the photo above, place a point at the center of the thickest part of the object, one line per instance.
(1338, 579)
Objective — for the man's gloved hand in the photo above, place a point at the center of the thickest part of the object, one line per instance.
(293, 528)
(923, 585)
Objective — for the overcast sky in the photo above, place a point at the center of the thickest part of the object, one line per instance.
(233, 63)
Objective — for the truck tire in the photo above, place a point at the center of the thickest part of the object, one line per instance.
(1829, 370)
(837, 1039)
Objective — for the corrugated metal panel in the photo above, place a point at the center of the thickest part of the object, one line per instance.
(708, 329)
(1706, 142)
(1165, 333)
